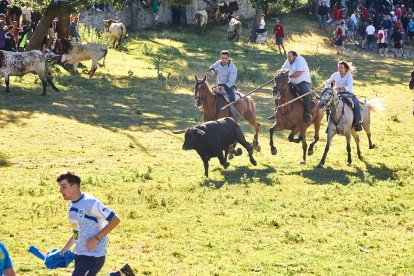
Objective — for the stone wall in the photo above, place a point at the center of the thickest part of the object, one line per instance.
(145, 16)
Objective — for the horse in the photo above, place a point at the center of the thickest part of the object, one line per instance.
(290, 116)
(340, 121)
(212, 103)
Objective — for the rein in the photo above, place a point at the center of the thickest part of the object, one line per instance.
(336, 123)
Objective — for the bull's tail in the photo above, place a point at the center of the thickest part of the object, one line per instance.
(104, 57)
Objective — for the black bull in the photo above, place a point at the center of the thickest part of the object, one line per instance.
(211, 138)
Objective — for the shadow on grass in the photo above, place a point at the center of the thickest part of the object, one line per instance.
(3, 160)
(242, 175)
(330, 175)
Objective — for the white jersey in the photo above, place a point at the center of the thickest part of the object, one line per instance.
(299, 64)
(346, 82)
(87, 217)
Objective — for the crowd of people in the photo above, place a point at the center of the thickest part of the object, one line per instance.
(368, 23)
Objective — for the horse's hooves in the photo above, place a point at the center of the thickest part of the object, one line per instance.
(238, 152)
(226, 165)
(256, 147)
(254, 163)
(274, 151)
(303, 162)
(372, 146)
(320, 166)
(348, 164)
(310, 152)
(360, 157)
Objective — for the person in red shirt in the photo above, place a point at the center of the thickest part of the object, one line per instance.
(279, 35)
(364, 14)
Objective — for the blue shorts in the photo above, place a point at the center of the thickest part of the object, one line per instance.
(88, 265)
(279, 41)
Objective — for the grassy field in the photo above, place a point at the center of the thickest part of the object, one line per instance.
(277, 218)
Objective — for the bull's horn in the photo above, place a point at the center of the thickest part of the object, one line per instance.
(179, 131)
(199, 131)
(205, 77)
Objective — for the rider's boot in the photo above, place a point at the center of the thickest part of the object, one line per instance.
(307, 116)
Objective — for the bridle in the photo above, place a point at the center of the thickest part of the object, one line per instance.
(332, 107)
(277, 92)
(198, 98)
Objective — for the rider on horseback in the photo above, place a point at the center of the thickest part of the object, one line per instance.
(344, 85)
(226, 73)
(299, 77)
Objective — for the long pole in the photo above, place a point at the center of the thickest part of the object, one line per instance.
(254, 90)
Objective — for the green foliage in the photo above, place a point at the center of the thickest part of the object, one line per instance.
(90, 34)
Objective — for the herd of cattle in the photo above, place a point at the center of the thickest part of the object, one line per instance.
(222, 13)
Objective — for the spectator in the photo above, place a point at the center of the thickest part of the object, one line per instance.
(89, 235)
(351, 26)
(10, 40)
(26, 14)
(261, 32)
(370, 31)
(74, 30)
(14, 14)
(336, 16)
(279, 35)
(22, 42)
(398, 12)
(362, 32)
(364, 14)
(393, 17)
(410, 30)
(323, 12)
(155, 9)
(6, 267)
(397, 39)
(16, 31)
(355, 17)
(340, 36)
(2, 35)
(382, 41)
(3, 6)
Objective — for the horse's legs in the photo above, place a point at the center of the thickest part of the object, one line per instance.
(367, 129)
(304, 145)
(292, 134)
(356, 138)
(250, 116)
(328, 144)
(317, 125)
(348, 148)
(273, 149)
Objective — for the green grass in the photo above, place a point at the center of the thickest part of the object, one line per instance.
(277, 218)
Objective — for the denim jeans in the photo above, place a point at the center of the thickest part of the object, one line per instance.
(322, 21)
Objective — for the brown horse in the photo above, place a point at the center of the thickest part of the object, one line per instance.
(291, 116)
(212, 103)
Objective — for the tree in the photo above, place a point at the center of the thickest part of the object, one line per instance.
(62, 9)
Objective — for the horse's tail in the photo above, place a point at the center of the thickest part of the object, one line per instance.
(375, 104)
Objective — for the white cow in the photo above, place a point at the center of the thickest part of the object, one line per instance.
(201, 18)
(116, 31)
(234, 30)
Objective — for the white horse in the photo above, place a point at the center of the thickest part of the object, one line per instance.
(341, 118)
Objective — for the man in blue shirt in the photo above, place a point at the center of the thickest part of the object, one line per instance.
(74, 30)
(6, 267)
(91, 222)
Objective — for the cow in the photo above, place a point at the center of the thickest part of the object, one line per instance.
(209, 139)
(116, 31)
(77, 52)
(235, 28)
(22, 63)
(201, 18)
(224, 10)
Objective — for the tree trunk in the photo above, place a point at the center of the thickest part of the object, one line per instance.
(41, 30)
(255, 25)
(64, 20)
(134, 8)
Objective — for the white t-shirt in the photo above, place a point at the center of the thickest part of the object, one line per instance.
(382, 38)
(298, 65)
(346, 81)
(27, 15)
(262, 24)
(370, 30)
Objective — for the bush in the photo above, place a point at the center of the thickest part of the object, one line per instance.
(90, 34)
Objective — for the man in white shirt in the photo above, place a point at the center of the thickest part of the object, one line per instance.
(370, 36)
(27, 14)
(299, 76)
